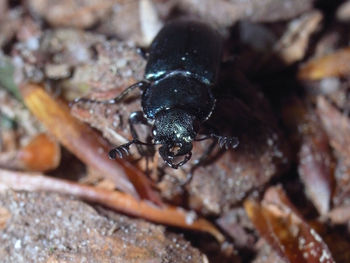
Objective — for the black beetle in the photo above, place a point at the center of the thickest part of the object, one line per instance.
(182, 68)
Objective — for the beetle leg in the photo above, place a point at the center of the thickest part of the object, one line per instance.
(224, 142)
(123, 150)
(141, 85)
(136, 118)
(202, 159)
(185, 160)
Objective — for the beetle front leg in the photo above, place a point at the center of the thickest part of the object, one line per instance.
(223, 141)
(141, 85)
(137, 118)
(201, 160)
(123, 150)
(226, 142)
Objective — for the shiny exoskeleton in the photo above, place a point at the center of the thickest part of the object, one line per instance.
(182, 69)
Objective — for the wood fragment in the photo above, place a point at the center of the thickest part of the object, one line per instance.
(122, 202)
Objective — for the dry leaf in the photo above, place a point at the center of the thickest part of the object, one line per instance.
(295, 41)
(41, 154)
(285, 230)
(87, 145)
(331, 65)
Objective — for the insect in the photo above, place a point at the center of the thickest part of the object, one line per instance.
(177, 99)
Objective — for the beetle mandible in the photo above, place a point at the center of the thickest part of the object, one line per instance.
(182, 69)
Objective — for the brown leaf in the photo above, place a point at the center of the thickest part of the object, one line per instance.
(285, 230)
(294, 43)
(87, 145)
(331, 65)
(315, 167)
(122, 202)
(315, 164)
(316, 172)
(41, 154)
(337, 127)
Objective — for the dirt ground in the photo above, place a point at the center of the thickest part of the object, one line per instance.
(282, 195)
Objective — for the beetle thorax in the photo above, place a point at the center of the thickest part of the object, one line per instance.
(174, 126)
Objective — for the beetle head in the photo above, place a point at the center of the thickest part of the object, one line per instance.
(175, 129)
